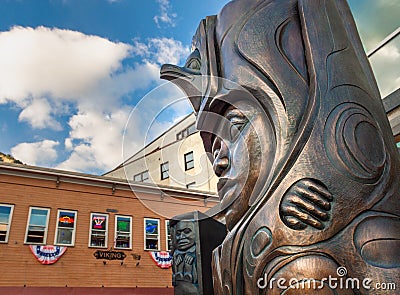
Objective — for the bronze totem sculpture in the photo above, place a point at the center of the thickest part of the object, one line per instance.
(292, 120)
(194, 236)
(184, 260)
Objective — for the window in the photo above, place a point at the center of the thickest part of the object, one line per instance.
(191, 129)
(6, 212)
(152, 234)
(164, 170)
(65, 228)
(98, 230)
(123, 232)
(36, 230)
(191, 185)
(189, 161)
(186, 132)
(168, 235)
(142, 177)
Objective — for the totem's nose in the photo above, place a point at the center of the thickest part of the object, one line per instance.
(221, 158)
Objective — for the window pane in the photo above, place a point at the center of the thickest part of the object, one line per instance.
(35, 234)
(99, 222)
(4, 214)
(122, 242)
(98, 239)
(64, 236)
(189, 157)
(66, 219)
(151, 226)
(168, 228)
(123, 224)
(145, 177)
(38, 217)
(164, 167)
(190, 165)
(137, 177)
(192, 129)
(3, 232)
(152, 244)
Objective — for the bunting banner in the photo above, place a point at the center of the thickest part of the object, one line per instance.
(162, 259)
(47, 254)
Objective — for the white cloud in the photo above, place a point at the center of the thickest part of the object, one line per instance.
(40, 153)
(62, 63)
(38, 114)
(95, 140)
(165, 16)
(386, 66)
(50, 74)
(161, 50)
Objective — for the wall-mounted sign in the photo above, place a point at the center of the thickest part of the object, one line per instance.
(47, 254)
(109, 255)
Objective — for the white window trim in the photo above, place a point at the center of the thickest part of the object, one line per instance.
(46, 228)
(166, 235)
(73, 230)
(158, 234)
(90, 231)
(9, 222)
(130, 232)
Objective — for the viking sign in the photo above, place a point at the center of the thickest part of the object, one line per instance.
(291, 118)
(109, 255)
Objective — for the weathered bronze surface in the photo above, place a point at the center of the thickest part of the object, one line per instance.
(293, 123)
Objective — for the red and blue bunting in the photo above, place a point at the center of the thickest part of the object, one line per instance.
(162, 259)
(47, 254)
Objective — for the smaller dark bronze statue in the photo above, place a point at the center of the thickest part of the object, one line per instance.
(184, 260)
(291, 118)
(194, 236)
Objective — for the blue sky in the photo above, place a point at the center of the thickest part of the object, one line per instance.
(71, 72)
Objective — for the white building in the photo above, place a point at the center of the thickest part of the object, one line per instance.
(176, 158)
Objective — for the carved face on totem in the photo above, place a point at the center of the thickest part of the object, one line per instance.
(185, 235)
(237, 134)
(239, 155)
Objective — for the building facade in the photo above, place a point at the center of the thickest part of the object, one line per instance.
(115, 236)
(176, 159)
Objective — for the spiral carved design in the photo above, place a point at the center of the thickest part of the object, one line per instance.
(354, 143)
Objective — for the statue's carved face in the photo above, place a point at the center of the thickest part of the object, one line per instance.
(242, 157)
(185, 235)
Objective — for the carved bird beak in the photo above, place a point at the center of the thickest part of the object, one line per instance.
(188, 80)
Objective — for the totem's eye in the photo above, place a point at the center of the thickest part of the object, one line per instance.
(194, 61)
(193, 64)
(238, 122)
(187, 231)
